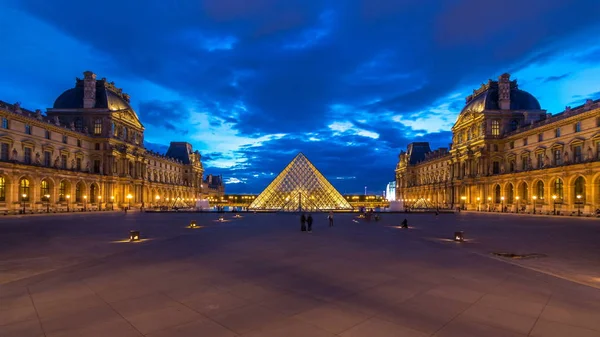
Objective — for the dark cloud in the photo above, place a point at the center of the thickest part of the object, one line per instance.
(555, 78)
(287, 62)
(581, 100)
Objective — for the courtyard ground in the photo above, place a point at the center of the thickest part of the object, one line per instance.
(76, 275)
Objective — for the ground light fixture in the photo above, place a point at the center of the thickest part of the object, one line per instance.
(134, 235)
(193, 224)
(459, 236)
(221, 218)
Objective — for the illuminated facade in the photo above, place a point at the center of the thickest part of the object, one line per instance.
(300, 186)
(509, 154)
(88, 152)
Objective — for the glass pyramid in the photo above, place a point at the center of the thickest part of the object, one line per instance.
(300, 187)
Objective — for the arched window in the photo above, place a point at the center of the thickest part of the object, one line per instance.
(44, 190)
(98, 127)
(580, 188)
(24, 189)
(539, 190)
(2, 189)
(497, 194)
(510, 194)
(514, 124)
(495, 127)
(558, 188)
(93, 193)
(79, 192)
(524, 192)
(62, 191)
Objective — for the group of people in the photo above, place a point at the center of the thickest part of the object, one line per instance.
(307, 221)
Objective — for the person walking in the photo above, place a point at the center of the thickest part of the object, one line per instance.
(330, 217)
(309, 220)
(303, 223)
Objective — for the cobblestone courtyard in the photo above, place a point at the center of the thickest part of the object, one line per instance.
(76, 275)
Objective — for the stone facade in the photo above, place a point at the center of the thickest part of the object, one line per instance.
(88, 152)
(508, 154)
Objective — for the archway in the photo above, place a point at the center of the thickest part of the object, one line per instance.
(497, 194)
(94, 193)
(3, 189)
(539, 190)
(558, 189)
(524, 192)
(24, 189)
(79, 191)
(510, 194)
(579, 189)
(64, 188)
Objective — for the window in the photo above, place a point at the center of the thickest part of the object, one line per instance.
(4, 152)
(98, 127)
(78, 164)
(495, 127)
(577, 127)
(28, 129)
(469, 134)
(78, 142)
(27, 155)
(47, 134)
(24, 189)
(597, 122)
(96, 166)
(514, 124)
(525, 163)
(511, 166)
(78, 124)
(125, 133)
(580, 189)
(598, 150)
(558, 188)
(497, 194)
(495, 147)
(44, 190)
(540, 160)
(557, 158)
(65, 139)
(459, 138)
(79, 192)
(510, 194)
(540, 137)
(2, 189)
(63, 161)
(557, 132)
(47, 158)
(97, 146)
(524, 141)
(496, 167)
(539, 189)
(577, 154)
(4, 123)
(115, 129)
(62, 191)
(511, 145)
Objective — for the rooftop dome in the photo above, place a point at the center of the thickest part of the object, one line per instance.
(107, 96)
(486, 98)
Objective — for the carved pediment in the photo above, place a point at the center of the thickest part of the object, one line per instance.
(128, 116)
(540, 149)
(577, 141)
(557, 145)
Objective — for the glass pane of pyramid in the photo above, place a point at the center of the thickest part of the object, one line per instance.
(300, 187)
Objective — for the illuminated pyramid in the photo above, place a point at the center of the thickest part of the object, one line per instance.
(300, 187)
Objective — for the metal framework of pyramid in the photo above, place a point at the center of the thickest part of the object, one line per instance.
(300, 187)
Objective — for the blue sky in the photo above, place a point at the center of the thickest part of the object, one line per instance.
(349, 83)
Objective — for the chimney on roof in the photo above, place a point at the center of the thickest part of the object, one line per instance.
(504, 91)
(89, 90)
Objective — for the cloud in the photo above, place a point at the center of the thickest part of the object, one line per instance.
(251, 83)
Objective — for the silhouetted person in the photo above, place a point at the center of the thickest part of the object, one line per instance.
(330, 217)
(303, 223)
(404, 223)
(309, 220)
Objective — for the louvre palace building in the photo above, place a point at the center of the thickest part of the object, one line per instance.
(508, 154)
(87, 152)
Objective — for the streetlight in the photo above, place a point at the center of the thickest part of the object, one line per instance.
(84, 202)
(129, 196)
(489, 202)
(478, 204)
(517, 197)
(157, 200)
(463, 198)
(112, 202)
(554, 203)
(68, 198)
(579, 204)
(501, 204)
(534, 202)
(24, 197)
(47, 197)
(100, 203)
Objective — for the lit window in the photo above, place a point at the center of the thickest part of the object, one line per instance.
(44, 189)
(558, 188)
(98, 127)
(495, 127)
(2, 189)
(62, 191)
(24, 189)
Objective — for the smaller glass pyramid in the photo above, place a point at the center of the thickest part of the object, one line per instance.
(300, 187)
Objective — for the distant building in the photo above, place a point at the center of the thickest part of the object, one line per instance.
(508, 152)
(390, 191)
(88, 152)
